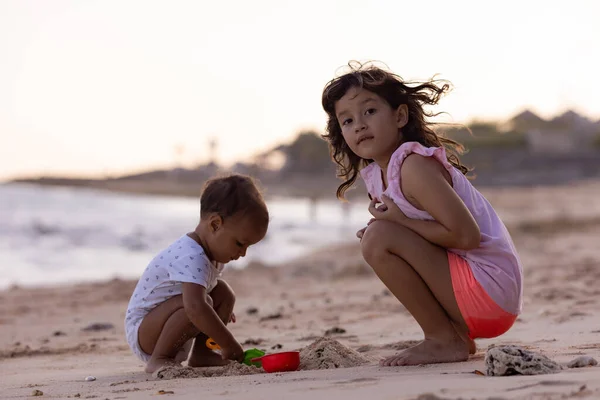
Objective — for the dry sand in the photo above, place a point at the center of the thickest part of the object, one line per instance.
(330, 306)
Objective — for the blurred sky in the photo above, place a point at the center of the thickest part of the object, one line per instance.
(107, 87)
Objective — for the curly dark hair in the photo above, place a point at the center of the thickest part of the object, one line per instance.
(396, 92)
(233, 194)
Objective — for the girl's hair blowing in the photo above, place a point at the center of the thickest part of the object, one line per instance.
(393, 89)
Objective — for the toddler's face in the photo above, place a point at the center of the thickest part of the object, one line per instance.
(233, 237)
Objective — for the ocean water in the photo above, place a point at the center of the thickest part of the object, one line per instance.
(51, 235)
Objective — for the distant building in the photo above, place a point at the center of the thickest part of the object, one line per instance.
(567, 133)
(524, 122)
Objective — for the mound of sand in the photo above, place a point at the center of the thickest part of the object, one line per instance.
(327, 353)
(206, 372)
(324, 353)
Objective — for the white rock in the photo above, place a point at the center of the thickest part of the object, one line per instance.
(582, 361)
(513, 360)
(90, 378)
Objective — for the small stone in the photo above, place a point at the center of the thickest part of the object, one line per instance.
(90, 378)
(582, 361)
(514, 360)
(430, 396)
(271, 317)
(335, 331)
(98, 326)
(37, 393)
(251, 310)
(364, 348)
(253, 342)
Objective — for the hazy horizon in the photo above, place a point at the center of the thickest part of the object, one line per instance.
(107, 88)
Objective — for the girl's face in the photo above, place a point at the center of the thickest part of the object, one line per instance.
(230, 238)
(370, 127)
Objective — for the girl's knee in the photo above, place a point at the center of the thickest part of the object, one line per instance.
(374, 243)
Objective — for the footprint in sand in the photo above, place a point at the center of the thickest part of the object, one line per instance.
(362, 382)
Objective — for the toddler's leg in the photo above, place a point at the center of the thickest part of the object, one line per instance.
(417, 273)
(223, 301)
(164, 331)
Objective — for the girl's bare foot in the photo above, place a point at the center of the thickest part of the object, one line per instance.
(430, 351)
(465, 337)
(204, 357)
(472, 346)
(157, 363)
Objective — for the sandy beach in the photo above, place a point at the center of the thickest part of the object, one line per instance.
(54, 337)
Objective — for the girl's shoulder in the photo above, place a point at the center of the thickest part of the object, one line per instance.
(408, 148)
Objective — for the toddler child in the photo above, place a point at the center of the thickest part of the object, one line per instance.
(180, 297)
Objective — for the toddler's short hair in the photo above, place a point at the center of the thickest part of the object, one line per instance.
(231, 195)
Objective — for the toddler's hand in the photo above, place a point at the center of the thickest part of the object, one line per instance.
(235, 353)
